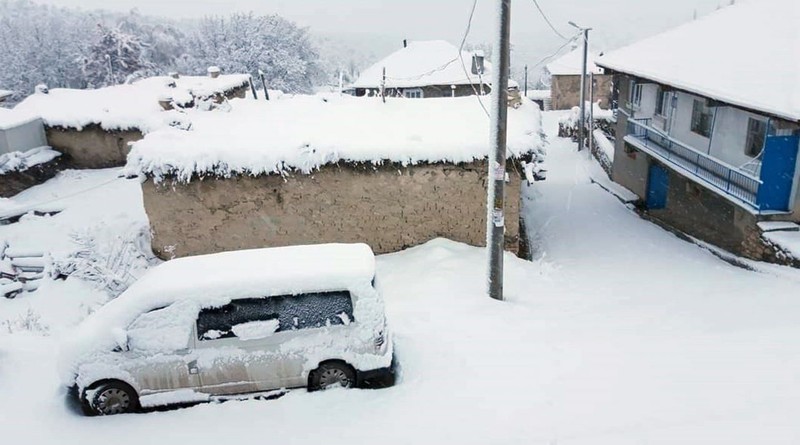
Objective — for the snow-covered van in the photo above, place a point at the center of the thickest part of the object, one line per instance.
(250, 321)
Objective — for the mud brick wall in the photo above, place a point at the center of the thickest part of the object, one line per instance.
(388, 207)
(92, 146)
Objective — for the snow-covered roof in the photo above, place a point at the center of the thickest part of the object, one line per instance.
(123, 107)
(216, 279)
(423, 63)
(305, 132)
(745, 54)
(11, 118)
(571, 64)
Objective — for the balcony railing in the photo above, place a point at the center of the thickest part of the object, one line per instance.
(726, 178)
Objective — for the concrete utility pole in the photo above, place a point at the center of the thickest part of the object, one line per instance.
(591, 114)
(383, 85)
(495, 220)
(264, 84)
(582, 129)
(526, 80)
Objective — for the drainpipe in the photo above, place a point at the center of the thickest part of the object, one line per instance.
(713, 125)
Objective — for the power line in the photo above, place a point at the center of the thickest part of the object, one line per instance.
(549, 23)
(461, 57)
(556, 52)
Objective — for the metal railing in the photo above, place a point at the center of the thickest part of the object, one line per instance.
(726, 178)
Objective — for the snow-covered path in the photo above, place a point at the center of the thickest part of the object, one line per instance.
(619, 333)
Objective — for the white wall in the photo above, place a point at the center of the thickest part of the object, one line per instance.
(730, 135)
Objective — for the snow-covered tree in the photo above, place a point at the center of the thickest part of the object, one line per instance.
(114, 57)
(249, 43)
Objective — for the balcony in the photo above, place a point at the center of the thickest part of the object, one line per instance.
(728, 180)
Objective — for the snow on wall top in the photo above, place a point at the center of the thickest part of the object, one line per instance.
(571, 64)
(124, 107)
(216, 279)
(423, 63)
(13, 118)
(744, 54)
(5, 93)
(305, 132)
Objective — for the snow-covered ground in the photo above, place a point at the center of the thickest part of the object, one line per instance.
(618, 333)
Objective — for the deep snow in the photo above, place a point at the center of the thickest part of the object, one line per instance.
(618, 333)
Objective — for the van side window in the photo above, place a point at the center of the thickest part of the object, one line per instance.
(314, 310)
(280, 313)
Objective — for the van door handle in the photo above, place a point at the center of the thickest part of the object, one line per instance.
(192, 365)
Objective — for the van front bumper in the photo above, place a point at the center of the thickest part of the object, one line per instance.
(377, 378)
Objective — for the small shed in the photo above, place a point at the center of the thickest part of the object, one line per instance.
(20, 131)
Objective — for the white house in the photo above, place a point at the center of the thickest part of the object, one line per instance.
(427, 69)
(709, 125)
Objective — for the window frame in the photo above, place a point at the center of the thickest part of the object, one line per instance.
(702, 119)
(751, 134)
(635, 94)
(416, 93)
(663, 102)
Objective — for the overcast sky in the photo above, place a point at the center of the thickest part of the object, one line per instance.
(616, 22)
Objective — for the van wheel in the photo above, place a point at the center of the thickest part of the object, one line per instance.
(111, 397)
(330, 375)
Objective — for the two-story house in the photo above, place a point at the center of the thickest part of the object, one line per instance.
(709, 123)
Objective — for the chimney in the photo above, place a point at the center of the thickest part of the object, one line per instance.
(213, 72)
(405, 43)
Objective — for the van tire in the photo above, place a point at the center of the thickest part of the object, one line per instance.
(331, 374)
(110, 397)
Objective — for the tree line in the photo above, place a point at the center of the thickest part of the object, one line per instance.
(71, 48)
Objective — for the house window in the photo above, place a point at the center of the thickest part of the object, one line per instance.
(413, 93)
(662, 102)
(756, 133)
(702, 118)
(636, 94)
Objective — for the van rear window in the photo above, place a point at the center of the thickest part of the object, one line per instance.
(292, 312)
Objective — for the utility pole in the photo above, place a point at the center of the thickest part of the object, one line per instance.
(582, 129)
(495, 220)
(253, 89)
(591, 114)
(526, 80)
(383, 85)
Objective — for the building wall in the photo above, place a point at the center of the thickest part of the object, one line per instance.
(389, 207)
(630, 169)
(92, 146)
(566, 90)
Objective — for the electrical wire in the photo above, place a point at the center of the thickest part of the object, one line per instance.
(461, 57)
(549, 23)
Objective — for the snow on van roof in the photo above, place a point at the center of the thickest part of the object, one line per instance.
(744, 54)
(124, 107)
(216, 279)
(305, 132)
(423, 63)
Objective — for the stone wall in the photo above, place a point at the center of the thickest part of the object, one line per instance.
(388, 207)
(14, 182)
(92, 147)
(565, 91)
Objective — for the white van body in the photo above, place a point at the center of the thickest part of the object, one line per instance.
(232, 323)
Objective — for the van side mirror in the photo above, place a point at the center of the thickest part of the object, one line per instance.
(121, 339)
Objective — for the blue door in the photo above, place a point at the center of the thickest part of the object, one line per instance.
(657, 187)
(777, 172)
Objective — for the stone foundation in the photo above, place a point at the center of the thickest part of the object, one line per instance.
(389, 207)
